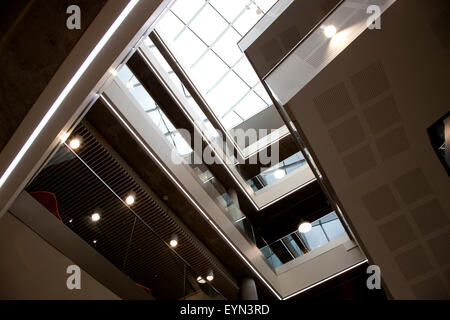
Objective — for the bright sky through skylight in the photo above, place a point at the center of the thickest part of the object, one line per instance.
(155, 113)
(203, 36)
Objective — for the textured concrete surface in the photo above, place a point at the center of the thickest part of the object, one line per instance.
(34, 43)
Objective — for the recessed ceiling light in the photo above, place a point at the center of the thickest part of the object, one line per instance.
(210, 276)
(95, 217)
(75, 143)
(304, 227)
(201, 280)
(329, 31)
(130, 200)
(71, 220)
(95, 241)
(174, 241)
(279, 173)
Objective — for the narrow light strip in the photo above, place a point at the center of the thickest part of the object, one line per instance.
(67, 90)
(324, 280)
(169, 174)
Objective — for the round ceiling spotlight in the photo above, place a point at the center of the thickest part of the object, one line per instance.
(174, 241)
(95, 216)
(75, 143)
(304, 227)
(329, 31)
(279, 174)
(201, 280)
(94, 242)
(130, 199)
(210, 276)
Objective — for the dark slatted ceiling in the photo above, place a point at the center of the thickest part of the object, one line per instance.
(137, 251)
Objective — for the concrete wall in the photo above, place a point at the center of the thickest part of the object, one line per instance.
(365, 118)
(30, 268)
(34, 43)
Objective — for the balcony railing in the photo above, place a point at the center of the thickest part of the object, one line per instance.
(106, 219)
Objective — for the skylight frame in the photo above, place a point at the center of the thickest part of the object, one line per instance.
(163, 122)
(255, 89)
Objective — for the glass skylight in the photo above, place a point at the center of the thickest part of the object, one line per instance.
(154, 112)
(181, 88)
(203, 36)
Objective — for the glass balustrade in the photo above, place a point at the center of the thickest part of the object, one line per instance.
(90, 202)
(282, 251)
(212, 186)
(296, 244)
(277, 172)
(262, 180)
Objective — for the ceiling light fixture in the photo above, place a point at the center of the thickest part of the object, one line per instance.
(201, 280)
(95, 216)
(210, 276)
(174, 241)
(75, 143)
(304, 227)
(279, 174)
(95, 241)
(130, 200)
(329, 31)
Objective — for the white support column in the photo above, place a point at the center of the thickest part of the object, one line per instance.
(248, 289)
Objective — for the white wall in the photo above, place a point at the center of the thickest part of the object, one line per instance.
(30, 268)
(365, 118)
